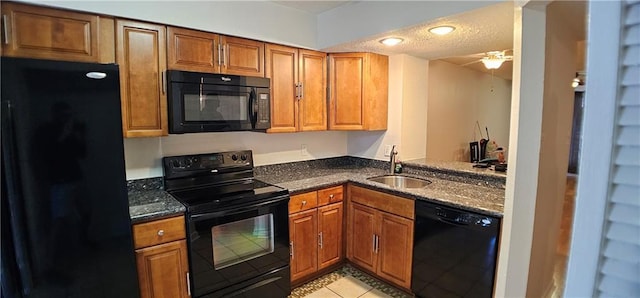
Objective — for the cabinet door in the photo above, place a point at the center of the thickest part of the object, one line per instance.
(162, 270)
(313, 91)
(329, 235)
(282, 69)
(361, 236)
(141, 55)
(303, 233)
(242, 56)
(395, 249)
(192, 50)
(43, 33)
(376, 91)
(345, 100)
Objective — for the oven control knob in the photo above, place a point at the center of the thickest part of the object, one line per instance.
(243, 157)
(234, 157)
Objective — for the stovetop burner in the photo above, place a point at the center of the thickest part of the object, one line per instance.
(216, 181)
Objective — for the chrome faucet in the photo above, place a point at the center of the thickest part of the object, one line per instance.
(392, 161)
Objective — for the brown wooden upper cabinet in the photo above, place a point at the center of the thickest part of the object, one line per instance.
(199, 51)
(298, 89)
(141, 54)
(358, 96)
(54, 34)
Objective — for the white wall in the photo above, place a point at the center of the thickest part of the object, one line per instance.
(524, 147)
(458, 97)
(143, 155)
(557, 116)
(365, 18)
(415, 86)
(260, 20)
(599, 123)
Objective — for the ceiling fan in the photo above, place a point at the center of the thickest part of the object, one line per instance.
(493, 59)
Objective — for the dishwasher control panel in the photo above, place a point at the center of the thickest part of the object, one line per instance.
(458, 217)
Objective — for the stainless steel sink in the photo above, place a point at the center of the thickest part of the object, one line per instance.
(401, 181)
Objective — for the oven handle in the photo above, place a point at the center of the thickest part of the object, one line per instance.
(209, 215)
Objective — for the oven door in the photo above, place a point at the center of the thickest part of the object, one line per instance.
(236, 245)
(209, 108)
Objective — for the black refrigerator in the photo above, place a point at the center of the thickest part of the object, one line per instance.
(65, 223)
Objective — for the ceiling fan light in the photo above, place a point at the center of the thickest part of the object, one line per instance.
(442, 30)
(391, 41)
(492, 63)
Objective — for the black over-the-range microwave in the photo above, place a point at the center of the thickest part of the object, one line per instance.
(206, 102)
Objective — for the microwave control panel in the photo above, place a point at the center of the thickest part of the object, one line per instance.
(263, 112)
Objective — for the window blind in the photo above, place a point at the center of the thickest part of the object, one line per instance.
(619, 265)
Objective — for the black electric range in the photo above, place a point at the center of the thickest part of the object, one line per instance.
(237, 226)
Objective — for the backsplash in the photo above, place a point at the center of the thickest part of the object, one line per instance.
(284, 170)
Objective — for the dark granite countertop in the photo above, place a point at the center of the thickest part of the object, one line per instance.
(472, 197)
(457, 166)
(148, 201)
(469, 190)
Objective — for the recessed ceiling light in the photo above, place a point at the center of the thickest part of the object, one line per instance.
(442, 30)
(391, 41)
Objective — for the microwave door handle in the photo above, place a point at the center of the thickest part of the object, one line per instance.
(253, 115)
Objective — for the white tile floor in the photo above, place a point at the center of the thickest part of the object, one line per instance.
(347, 287)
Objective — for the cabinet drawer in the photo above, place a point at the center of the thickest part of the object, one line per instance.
(330, 195)
(383, 201)
(158, 231)
(303, 201)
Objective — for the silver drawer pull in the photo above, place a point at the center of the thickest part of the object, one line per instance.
(6, 29)
(160, 232)
(331, 196)
(304, 203)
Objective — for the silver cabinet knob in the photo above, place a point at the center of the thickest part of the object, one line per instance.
(160, 232)
(304, 203)
(331, 196)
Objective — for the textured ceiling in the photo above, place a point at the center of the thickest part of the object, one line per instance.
(477, 32)
(486, 29)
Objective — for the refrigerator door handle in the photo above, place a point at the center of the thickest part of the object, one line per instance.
(16, 221)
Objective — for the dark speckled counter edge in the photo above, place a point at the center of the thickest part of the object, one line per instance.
(148, 201)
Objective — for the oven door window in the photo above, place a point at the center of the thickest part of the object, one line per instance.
(243, 240)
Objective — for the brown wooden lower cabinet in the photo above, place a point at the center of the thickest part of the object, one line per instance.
(303, 228)
(377, 240)
(316, 233)
(395, 248)
(162, 270)
(329, 235)
(161, 258)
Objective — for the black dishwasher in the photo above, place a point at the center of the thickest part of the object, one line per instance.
(454, 252)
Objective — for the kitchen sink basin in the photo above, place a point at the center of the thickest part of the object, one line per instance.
(401, 181)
